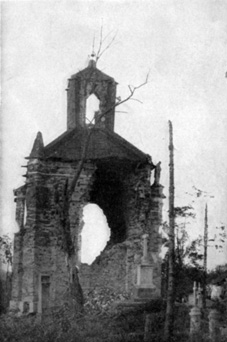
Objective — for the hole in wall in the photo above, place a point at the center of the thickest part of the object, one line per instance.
(92, 106)
(25, 214)
(108, 192)
(95, 233)
(152, 179)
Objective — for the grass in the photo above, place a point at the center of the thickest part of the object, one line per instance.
(121, 324)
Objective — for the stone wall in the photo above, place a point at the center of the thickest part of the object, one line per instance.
(108, 270)
(116, 266)
(38, 244)
(116, 176)
(132, 208)
(80, 87)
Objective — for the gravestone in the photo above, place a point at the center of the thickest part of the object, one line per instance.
(195, 316)
(145, 289)
(214, 330)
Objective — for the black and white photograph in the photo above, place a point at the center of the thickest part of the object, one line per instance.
(113, 171)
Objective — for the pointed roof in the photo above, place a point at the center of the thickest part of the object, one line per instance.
(38, 147)
(91, 72)
(104, 144)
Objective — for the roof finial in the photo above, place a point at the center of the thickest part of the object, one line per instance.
(93, 47)
(92, 61)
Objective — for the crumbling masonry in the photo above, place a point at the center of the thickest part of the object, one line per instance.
(115, 175)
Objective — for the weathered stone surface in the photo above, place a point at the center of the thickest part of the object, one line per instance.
(81, 86)
(115, 175)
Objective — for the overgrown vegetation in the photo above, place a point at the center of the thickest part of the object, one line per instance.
(6, 259)
(98, 324)
(108, 323)
(187, 255)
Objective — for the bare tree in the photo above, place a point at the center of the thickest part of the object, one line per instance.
(103, 48)
(168, 332)
(63, 206)
(205, 257)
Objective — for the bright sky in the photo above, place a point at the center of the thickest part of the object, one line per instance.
(183, 45)
(93, 242)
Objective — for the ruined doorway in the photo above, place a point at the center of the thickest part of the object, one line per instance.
(95, 233)
(45, 293)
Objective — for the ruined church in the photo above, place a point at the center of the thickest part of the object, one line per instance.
(115, 175)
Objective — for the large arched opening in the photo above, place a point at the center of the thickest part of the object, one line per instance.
(95, 233)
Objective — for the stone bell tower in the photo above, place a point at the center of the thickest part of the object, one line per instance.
(83, 84)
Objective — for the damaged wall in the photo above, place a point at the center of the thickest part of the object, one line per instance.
(115, 176)
(141, 205)
(38, 248)
(80, 87)
(132, 208)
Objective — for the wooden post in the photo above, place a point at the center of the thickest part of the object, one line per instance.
(168, 331)
(205, 258)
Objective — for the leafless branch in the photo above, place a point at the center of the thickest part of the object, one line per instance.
(142, 84)
(64, 207)
(100, 43)
(81, 163)
(108, 34)
(129, 97)
(100, 51)
(90, 131)
(130, 88)
(90, 121)
(135, 100)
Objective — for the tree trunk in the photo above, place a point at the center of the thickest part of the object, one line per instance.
(75, 291)
(205, 257)
(67, 239)
(168, 332)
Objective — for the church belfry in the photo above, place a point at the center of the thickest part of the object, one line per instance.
(80, 87)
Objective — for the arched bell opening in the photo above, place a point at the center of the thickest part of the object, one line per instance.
(92, 106)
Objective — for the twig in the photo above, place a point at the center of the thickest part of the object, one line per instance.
(100, 53)
(132, 91)
(90, 121)
(135, 100)
(107, 36)
(100, 43)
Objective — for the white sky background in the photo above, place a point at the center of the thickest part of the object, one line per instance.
(184, 46)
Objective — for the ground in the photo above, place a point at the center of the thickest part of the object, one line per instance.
(103, 320)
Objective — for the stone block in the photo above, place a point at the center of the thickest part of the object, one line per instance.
(144, 293)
